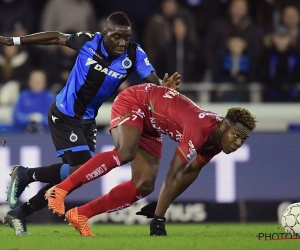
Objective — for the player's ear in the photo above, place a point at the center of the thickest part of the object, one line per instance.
(104, 32)
(223, 126)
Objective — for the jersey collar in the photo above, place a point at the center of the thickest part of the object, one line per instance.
(103, 50)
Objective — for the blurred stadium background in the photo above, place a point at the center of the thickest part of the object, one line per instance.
(230, 53)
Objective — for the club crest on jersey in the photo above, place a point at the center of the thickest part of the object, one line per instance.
(126, 63)
(73, 137)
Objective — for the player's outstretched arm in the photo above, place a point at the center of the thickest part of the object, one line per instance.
(178, 179)
(42, 38)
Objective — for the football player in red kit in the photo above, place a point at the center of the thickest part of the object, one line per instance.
(140, 115)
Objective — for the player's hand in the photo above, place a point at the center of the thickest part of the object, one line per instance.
(148, 210)
(8, 41)
(157, 226)
(172, 81)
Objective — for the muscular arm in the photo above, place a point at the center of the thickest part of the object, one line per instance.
(178, 179)
(153, 78)
(42, 38)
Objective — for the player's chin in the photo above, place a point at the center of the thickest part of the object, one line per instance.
(228, 151)
(118, 52)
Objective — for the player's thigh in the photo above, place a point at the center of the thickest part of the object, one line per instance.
(126, 139)
(126, 127)
(76, 159)
(68, 135)
(144, 171)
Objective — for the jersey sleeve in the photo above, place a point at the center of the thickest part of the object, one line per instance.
(77, 40)
(203, 160)
(189, 144)
(142, 66)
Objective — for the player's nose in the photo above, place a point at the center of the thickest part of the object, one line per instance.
(122, 43)
(238, 143)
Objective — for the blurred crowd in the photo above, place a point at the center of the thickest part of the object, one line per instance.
(218, 41)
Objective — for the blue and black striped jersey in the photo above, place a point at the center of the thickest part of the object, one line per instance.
(95, 76)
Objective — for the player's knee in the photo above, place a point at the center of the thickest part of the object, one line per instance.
(146, 187)
(126, 155)
(74, 168)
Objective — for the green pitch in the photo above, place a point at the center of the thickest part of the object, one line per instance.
(131, 237)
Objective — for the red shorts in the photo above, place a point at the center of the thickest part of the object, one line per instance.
(127, 110)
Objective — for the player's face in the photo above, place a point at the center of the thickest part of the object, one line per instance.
(232, 139)
(116, 39)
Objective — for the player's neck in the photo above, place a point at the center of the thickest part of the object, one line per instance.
(215, 137)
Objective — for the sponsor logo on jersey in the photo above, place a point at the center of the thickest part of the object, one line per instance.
(192, 149)
(139, 113)
(152, 120)
(203, 114)
(169, 133)
(73, 137)
(178, 136)
(170, 94)
(95, 53)
(149, 86)
(126, 63)
(104, 70)
(159, 139)
(54, 118)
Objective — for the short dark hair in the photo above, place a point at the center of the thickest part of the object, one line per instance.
(241, 115)
(119, 18)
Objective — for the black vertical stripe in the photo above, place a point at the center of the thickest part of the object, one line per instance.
(95, 80)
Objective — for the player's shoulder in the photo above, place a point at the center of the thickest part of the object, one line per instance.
(92, 35)
(98, 34)
(201, 117)
(137, 47)
(87, 35)
(209, 117)
(135, 51)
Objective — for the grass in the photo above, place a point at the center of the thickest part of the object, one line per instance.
(131, 237)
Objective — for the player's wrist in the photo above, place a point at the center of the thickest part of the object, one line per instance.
(159, 218)
(16, 40)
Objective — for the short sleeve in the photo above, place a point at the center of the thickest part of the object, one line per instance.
(142, 66)
(77, 40)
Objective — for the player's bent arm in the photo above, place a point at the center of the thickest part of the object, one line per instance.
(178, 179)
(153, 78)
(170, 82)
(42, 38)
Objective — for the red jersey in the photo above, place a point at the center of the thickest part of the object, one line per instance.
(166, 111)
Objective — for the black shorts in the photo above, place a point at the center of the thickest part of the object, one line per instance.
(74, 139)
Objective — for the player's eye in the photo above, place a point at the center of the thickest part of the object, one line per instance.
(127, 39)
